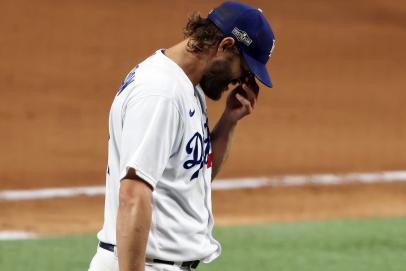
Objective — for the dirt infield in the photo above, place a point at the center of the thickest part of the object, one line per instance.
(338, 105)
(245, 206)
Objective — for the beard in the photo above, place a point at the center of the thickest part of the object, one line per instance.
(216, 79)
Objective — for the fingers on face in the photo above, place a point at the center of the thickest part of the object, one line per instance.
(245, 103)
(251, 92)
(234, 85)
(250, 81)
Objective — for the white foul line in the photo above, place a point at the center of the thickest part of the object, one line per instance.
(225, 184)
(17, 235)
(51, 193)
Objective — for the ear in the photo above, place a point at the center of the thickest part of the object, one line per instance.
(226, 43)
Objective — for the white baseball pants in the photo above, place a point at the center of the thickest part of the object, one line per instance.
(105, 260)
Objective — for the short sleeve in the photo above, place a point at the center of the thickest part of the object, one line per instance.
(150, 129)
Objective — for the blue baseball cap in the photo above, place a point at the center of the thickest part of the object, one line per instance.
(252, 33)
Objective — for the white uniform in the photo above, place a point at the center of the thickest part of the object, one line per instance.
(158, 125)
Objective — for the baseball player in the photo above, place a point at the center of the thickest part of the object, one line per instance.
(162, 156)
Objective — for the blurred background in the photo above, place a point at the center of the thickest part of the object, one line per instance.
(337, 106)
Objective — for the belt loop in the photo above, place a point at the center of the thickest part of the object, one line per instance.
(115, 251)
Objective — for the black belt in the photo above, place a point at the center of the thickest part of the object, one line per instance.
(106, 246)
(190, 264)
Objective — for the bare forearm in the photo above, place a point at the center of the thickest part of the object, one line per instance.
(133, 224)
(221, 141)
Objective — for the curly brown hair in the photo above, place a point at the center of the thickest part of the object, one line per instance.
(203, 34)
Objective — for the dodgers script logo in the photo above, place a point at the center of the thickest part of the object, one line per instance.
(199, 148)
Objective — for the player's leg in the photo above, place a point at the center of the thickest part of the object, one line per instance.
(104, 260)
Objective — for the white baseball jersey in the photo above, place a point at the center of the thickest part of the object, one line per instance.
(158, 126)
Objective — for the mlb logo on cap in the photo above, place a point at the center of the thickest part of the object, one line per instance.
(252, 33)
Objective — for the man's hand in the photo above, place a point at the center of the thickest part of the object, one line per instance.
(241, 101)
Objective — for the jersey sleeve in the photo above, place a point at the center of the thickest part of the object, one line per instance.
(151, 126)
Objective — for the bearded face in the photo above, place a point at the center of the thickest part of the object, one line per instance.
(216, 78)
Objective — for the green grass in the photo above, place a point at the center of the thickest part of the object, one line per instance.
(373, 244)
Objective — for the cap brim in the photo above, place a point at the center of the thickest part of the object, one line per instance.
(258, 69)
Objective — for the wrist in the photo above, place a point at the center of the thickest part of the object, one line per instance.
(228, 119)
